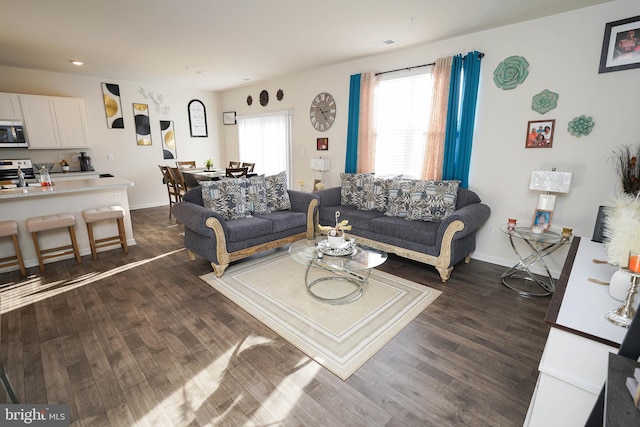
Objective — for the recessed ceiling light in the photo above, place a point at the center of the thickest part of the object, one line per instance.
(383, 42)
(77, 63)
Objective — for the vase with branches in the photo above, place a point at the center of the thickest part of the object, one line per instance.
(625, 161)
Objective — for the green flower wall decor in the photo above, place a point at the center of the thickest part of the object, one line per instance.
(544, 101)
(511, 72)
(581, 125)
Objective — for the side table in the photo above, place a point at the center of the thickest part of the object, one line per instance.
(539, 245)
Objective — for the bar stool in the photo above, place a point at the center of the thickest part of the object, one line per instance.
(101, 214)
(38, 224)
(9, 228)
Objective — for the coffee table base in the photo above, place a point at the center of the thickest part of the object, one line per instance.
(356, 280)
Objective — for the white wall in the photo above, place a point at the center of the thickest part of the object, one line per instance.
(563, 52)
(136, 163)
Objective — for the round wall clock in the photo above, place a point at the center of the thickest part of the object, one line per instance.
(264, 98)
(249, 100)
(323, 111)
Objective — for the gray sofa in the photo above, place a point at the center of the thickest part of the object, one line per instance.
(441, 244)
(221, 241)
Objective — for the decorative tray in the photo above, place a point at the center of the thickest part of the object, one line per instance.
(346, 249)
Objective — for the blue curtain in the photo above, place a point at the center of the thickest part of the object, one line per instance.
(351, 161)
(461, 114)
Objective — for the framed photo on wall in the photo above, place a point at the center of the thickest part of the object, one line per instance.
(621, 45)
(229, 118)
(322, 144)
(540, 133)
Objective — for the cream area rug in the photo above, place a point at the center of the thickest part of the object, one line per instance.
(339, 337)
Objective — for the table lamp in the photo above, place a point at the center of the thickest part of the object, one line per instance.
(552, 182)
(320, 165)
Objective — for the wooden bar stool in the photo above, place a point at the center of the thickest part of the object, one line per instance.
(9, 228)
(101, 214)
(38, 224)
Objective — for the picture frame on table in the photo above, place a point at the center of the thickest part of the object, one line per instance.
(541, 220)
(540, 133)
(621, 45)
(229, 118)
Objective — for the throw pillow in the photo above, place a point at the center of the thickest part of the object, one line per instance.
(351, 189)
(399, 198)
(375, 193)
(255, 188)
(277, 195)
(226, 197)
(432, 200)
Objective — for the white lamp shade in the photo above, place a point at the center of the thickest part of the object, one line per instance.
(551, 181)
(320, 164)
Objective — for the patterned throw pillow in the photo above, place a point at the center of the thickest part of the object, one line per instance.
(433, 200)
(277, 195)
(375, 193)
(226, 197)
(399, 198)
(255, 188)
(351, 190)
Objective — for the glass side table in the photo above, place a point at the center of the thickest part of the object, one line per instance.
(519, 277)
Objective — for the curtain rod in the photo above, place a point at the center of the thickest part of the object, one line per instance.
(415, 66)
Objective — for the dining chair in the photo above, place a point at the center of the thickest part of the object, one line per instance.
(233, 164)
(167, 178)
(187, 164)
(249, 166)
(179, 182)
(236, 172)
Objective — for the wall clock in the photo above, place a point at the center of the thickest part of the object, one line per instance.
(264, 98)
(323, 111)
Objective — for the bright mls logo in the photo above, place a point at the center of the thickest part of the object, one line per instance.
(34, 415)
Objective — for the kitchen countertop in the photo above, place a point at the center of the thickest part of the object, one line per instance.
(64, 187)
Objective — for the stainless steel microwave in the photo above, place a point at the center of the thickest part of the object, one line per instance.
(12, 134)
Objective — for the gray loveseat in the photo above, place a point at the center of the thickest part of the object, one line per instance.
(221, 241)
(441, 244)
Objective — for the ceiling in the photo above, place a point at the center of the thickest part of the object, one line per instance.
(221, 44)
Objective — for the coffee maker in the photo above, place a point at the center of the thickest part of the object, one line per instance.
(85, 162)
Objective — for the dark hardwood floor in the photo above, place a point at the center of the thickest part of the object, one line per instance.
(139, 339)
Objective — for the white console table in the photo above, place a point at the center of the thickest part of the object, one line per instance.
(573, 367)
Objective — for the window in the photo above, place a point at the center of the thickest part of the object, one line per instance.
(265, 140)
(402, 108)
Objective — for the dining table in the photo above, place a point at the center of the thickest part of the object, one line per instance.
(193, 176)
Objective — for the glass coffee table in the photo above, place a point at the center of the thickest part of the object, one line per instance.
(352, 264)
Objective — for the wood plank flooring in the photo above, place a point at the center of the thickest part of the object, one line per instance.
(139, 339)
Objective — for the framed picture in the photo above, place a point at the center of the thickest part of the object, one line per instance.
(541, 220)
(540, 133)
(112, 105)
(229, 118)
(621, 45)
(169, 149)
(143, 127)
(322, 144)
(197, 119)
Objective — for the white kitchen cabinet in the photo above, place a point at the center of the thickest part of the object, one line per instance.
(55, 122)
(10, 108)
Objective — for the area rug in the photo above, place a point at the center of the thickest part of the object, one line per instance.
(339, 337)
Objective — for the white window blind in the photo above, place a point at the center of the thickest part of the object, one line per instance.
(402, 108)
(265, 140)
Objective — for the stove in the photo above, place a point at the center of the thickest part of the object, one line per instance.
(9, 170)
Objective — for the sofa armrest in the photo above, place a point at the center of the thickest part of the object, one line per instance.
(194, 217)
(330, 196)
(300, 200)
(472, 216)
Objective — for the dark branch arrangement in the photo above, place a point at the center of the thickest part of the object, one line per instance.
(625, 160)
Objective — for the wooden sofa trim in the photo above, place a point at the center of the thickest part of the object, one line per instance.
(441, 262)
(224, 257)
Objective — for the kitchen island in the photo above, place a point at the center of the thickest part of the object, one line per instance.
(64, 196)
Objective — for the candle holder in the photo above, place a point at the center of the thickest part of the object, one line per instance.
(623, 315)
